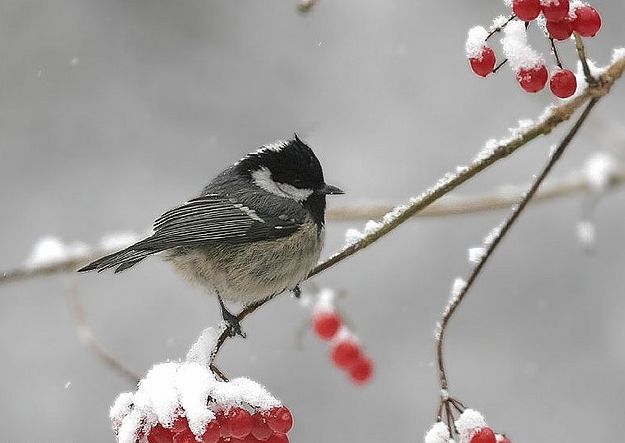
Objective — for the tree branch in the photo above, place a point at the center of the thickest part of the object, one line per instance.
(499, 234)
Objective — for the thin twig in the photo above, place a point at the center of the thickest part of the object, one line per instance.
(554, 51)
(87, 337)
(500, 28)
(500, 65)
(581, 53)
(500, 234)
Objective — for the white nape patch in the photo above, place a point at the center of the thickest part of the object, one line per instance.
(262, 179)
(275, 147)
(250, 212)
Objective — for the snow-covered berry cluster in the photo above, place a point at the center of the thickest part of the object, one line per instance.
(470, 427)
(559, 19)
(346, 352)
(183, 402)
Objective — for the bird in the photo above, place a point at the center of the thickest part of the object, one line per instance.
(255, 231)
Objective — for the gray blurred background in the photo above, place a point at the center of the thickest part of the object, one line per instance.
(113, 111)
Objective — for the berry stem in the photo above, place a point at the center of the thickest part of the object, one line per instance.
(500, 234)
(500, 28)
(498, 67)
(581, 53)
(554, 50)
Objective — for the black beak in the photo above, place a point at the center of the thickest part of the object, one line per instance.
(330, 190)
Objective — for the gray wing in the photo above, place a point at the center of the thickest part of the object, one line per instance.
(216, 218)
(202, 220)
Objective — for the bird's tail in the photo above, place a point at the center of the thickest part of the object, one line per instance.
(122, 260)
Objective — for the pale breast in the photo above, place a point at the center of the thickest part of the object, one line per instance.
(249, 272)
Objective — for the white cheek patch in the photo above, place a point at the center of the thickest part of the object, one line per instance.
(262, 179)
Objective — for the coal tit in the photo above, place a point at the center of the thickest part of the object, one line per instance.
(255, 231)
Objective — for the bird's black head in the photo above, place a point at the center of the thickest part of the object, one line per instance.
(288, 169)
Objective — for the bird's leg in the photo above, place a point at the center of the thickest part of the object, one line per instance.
(297, 291)
(234, 327)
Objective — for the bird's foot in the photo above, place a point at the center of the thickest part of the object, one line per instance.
(234, 326)
(297, 291)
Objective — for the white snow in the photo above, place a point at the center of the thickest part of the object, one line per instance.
(498, 22)
(51, 250)
(476, 41)
(353, 236)
(599, 171)
(184, 388)
(325, 301)
(516, 48)
(438, 433)
(618, 54)
(468, 422)
(586, 234)
(476, 254)
(493, 234)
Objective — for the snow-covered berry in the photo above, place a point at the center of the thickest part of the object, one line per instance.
(159, 434)
(326, 324)
(361, 371)
(587, 21)
(555, 10)
(560, 30)
(563, 83)
(239, 422)
(483, 435)
(533, 79)
(526, 10)
(261, 430)
(279, 420)
(485, 63)
(345, 353)
(212, 434)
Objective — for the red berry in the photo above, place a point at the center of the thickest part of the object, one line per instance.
(526, 10)
(261, 429)
(212, 434)
(159, 434)
(278, 438)
(361, 371)
(533, 79)
(556, 10)
(326, 324)
(587, 21)
(345, 354)
(224, 426)
(560, 30)
(240, 422)
(563, 83)
(185, 436)
(485, 63)
(279, 419)
(181, 424)
(484, 435)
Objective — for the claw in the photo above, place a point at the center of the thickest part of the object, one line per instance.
(234, 326)
(297, 291)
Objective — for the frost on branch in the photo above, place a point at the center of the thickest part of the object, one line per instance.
(184, 402)
(51, 250)
(599, 171)
(438, 433)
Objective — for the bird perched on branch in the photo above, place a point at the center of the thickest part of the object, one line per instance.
(255, 231)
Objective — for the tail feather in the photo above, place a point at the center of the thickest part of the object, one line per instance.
(122, 260)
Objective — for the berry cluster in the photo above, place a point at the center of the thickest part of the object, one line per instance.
(346, 353)
(470, 428)
(559, 19)
(235, 425)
